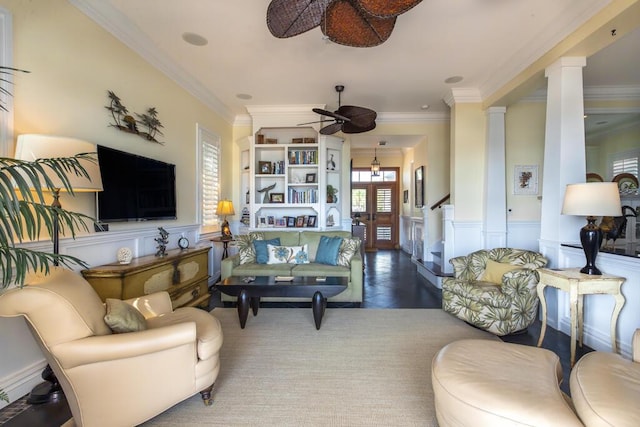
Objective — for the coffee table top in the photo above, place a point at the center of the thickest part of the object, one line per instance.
(266, 286)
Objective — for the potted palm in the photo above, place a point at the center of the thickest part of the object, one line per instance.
(24, 212)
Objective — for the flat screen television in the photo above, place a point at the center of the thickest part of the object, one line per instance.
(136, 188)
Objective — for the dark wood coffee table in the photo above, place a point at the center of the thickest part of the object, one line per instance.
(249, 293)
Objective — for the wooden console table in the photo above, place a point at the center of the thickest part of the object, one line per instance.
(183, 273)
(577, 285)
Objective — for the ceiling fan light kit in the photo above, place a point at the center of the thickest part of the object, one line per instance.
(355, 23)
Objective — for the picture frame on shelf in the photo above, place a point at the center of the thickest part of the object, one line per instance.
(276, 198)
(262, 221)
(264, 168)
(291, 221)
(300, 221)
(281, 222)
(311, 222)
(310, 178)
(271, 220)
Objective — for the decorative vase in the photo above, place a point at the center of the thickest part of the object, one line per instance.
(124, 256)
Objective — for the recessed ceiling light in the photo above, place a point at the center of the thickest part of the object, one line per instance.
(424, 107)
(453, 79)
(244, 96)
(195, 39)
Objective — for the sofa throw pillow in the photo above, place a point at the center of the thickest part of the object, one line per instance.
(328, 248)
(495, 270)
(288, 254)
(246, 250)
(122, 317)
(262, 254)
(349, 247)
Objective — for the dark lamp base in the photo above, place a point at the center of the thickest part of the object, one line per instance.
(591, 239)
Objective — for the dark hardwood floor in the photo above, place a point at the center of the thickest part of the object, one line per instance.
(390, 281)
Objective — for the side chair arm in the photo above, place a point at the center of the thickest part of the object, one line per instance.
(106, 348)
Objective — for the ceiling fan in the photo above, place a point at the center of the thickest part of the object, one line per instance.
(356, 23)
(347, 118)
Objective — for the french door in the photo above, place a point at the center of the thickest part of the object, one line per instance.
(377, 204)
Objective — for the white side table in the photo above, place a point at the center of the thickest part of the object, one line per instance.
(577, 285)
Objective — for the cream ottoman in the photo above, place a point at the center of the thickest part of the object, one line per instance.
(605, 388)
(491, 383)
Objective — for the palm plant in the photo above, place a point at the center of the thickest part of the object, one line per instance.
(24, 213)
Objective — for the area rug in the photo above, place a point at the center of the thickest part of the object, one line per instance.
(364, 367)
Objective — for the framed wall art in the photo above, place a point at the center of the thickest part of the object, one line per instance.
(525, 180)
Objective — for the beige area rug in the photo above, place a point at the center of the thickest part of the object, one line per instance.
(364, 367)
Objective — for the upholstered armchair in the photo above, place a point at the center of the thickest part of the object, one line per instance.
(495, 289)
(117, 379)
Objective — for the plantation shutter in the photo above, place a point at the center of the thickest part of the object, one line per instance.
(210, 184)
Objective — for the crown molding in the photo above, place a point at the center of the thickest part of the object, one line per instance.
(124, 30)
(390, 118)
(463, 95)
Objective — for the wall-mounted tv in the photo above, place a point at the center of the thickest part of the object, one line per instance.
(136, 188)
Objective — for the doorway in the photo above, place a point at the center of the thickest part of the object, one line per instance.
(374, 200)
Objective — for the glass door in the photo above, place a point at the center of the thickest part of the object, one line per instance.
(375, 203)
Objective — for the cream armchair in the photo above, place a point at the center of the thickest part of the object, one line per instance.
(495, 289)
(117, 379)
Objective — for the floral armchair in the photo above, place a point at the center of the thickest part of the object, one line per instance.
(495, 289)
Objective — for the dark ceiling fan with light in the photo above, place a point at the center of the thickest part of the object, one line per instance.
(347, 118)
(356, 23)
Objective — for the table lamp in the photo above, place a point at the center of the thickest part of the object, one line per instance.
(31, 147)
(225, 207)
(591, 199)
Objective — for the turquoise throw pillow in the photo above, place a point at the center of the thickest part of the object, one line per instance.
(262, 254)
(328, 249)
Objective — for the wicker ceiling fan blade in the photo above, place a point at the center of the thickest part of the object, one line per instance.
(344, 23)
(349, 127)
(386, 8)
(359, 116)
(336, 115)
(331, 129)
(288, 18)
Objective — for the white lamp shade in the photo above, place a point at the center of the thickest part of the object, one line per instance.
(31, 147)
(592, 199)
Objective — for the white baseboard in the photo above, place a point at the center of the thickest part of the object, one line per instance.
(21, 382)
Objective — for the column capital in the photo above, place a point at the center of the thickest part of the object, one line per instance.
(496, 110)
(566, 61)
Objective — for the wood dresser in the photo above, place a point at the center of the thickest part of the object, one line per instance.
(183, 273)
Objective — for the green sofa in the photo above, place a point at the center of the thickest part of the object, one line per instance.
(233, 266)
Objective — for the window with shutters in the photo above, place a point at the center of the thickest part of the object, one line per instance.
(625, 162)
(208, 179)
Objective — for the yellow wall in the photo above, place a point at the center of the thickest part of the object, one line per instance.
(524, 135)
(468, 141)
(73, 63)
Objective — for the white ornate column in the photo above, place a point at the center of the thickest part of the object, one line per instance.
(495, 199)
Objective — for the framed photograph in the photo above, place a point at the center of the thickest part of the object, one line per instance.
(311, 178)
(300, 221)
(406, 196)
(271, 220)
(291, 221)
(281, 222)
(419, 187)
(525, 180)
(311, 222)
(264, 167)
(262, 221)
(276, 197)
